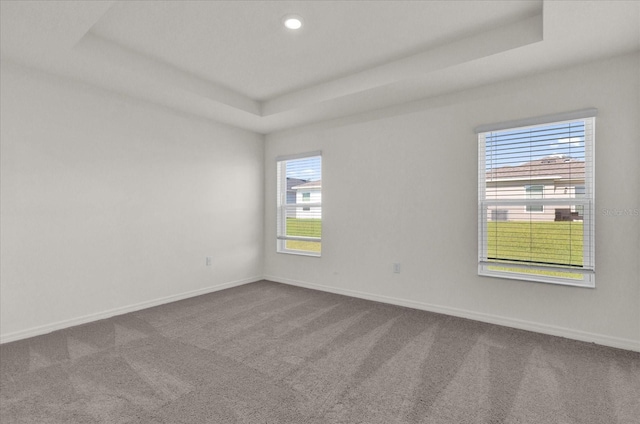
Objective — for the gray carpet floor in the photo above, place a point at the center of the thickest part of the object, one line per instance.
(271, 353)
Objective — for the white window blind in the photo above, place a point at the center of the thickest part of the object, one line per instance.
(536, 201)
(299, 203)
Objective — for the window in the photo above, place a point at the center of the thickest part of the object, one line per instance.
(534, 192)
(536, 199)
(299, 202)
(306, 197)
(579, 192)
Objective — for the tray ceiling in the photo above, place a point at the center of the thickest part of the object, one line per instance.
(234, 62)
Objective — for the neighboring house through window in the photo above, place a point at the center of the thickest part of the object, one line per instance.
(299, 204)
(536, 199)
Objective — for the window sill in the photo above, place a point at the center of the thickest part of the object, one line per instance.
(587, 280)
(299, 253)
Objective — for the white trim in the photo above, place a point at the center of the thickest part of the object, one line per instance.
(552, 330)
(558, 268)
(300, 253)
(588, 278)
(538, 120)
(60, 325)
(300, 238)
(601, 339)
(307, 187)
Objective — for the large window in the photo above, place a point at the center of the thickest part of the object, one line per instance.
(299, 226)
(536, 199)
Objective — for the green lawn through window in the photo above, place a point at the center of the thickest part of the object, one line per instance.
(559, 243)
(304, 228)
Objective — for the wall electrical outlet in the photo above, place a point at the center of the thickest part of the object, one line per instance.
(396, 268)
(209, 260)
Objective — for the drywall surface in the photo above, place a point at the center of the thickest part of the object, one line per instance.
(110, 204)
(400, 186)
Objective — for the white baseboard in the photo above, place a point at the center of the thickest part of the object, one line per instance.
(48, 328)
(600, 339)
(584, 336)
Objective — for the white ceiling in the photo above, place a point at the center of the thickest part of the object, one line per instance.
(233, 62)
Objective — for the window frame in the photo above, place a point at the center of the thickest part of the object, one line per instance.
(282, 206)
(581, 277)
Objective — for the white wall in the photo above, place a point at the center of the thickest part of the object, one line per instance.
(110, 204)
(413, 169)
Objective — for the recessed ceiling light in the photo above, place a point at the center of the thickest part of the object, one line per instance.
(292, 21)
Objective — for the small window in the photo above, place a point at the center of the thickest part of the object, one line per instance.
(534, 192)
(579, 192)
(306, 197)
(299, 214)
(536, 201)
